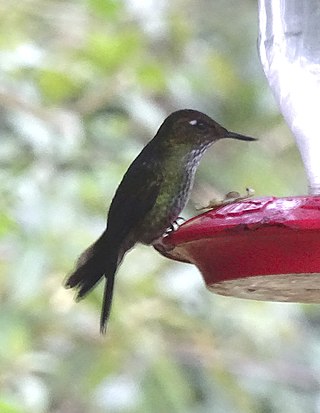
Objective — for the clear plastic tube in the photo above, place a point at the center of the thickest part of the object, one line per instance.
(289, 46)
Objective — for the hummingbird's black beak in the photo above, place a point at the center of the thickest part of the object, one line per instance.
(233, 135)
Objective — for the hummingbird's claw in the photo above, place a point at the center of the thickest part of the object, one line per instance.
(175, 225)
(179, 219)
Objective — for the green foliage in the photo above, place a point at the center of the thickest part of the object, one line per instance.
(10, 407)
(152, 77)
(110, 52)
(105, 8)
(57, 86)
(84, 86)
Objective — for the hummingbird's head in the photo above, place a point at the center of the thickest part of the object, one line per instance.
(190, 127)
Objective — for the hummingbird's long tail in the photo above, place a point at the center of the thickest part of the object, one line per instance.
(100, 259)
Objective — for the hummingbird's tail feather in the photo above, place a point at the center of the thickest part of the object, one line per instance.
(106, 303)
(100, 259)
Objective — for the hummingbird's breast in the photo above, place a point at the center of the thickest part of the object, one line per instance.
(178, 178)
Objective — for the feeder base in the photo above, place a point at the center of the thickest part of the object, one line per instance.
(298, 288)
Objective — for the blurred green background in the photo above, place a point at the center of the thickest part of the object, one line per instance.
(84, 85)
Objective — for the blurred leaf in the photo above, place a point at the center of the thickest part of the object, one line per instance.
(10, 407)
(57, 86)
(152, 76)
(110, 51)
(223, 73)
(106, 8)
(7, 224)
(175, 395)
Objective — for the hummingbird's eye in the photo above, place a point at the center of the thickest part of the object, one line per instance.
(198, 124)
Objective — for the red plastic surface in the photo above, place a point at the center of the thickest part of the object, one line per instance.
(255, 247)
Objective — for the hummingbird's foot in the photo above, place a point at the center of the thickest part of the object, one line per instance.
(176, 221)
(229, 198)
(175, 225)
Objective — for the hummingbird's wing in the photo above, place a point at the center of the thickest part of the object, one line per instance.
(134, 198)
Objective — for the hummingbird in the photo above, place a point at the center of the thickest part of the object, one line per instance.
(149, 199)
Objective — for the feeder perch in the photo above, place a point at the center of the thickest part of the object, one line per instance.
(269, 248)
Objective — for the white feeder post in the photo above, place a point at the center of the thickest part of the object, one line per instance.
(289, 45)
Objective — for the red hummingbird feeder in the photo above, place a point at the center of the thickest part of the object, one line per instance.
(269, 248)
(261, 248)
